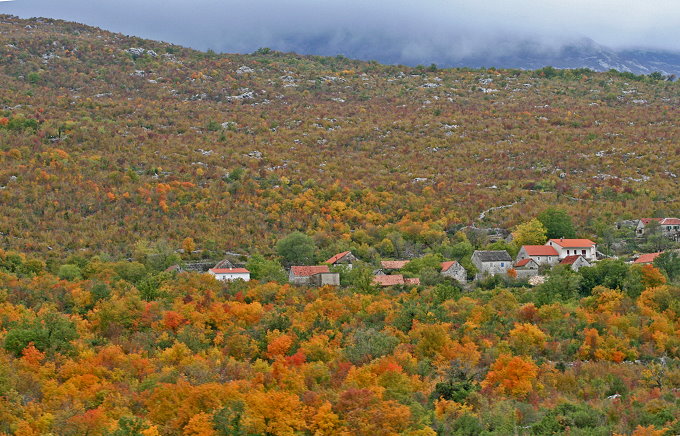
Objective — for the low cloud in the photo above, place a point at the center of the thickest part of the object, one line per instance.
(396, 31)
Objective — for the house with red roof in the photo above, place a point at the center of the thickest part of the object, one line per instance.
(647, 258)
(541, 254)
(670, 227)
(346, 258)
(454, 270)
(317, 275)
(575, 261)
(230, 274)
(526, 267)
(393, 265)
(569, 247)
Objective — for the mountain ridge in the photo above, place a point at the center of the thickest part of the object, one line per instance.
(520, 53)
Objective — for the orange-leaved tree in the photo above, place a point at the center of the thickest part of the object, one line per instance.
(512, 376)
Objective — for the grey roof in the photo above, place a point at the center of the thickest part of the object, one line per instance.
(492, 256)
(224, 264)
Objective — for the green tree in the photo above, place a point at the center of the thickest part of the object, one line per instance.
(266, 270)
(429, 261)
(567, 417)
(557, 223)
(610, 273)
(157, 256)
(360, 277)
(369, 344)
(130, 426)
(655, 240)
(562, 285)
(51, 333)
(132, 272)
(69, 272)
(296, 249)
(669, 263)
(529, 233)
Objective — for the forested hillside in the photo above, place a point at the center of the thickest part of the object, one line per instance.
(107, 139)
(116, 349)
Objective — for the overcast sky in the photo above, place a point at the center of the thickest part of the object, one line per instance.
(410, 31)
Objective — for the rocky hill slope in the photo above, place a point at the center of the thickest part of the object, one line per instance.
(107, 139)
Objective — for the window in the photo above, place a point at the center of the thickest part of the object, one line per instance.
(583, 252)
(502, 264)
(567, 252)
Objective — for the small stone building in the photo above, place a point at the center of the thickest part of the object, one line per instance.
(526, 268)
(491, 262)
(394, 279)
(454, 270)
(393, 265)
(317, 275)
(647, 258)
(575, 261)
(670, 227)
(324, 279)
(346, 259)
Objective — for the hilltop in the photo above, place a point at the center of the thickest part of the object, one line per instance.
(107, 139)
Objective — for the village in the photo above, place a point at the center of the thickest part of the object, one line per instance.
(531, 263)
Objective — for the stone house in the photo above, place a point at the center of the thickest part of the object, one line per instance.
(394, 279)
(670, 227)
(526, 268)
(454, 270)
(491, 262)
(305, 275)
(647, 258)
(576, 261)
(346, 259)
(393, 265)
(325, 279)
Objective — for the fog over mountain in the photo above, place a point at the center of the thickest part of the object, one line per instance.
(631, 36)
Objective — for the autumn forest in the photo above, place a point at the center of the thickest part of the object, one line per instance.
(123, 162)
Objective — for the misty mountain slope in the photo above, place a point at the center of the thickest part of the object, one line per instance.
(583, 54)
(101, 132)
(508, 53)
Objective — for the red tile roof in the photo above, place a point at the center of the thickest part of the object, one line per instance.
(570, 260)
(447, 265)
(229, 271)
(337, 257)
(648, 257)
(523, 262)
(391, 280)
(306, 271)
(393, 264)
(573, 243)
(646, 221)
(413, 281)
(539, 250)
